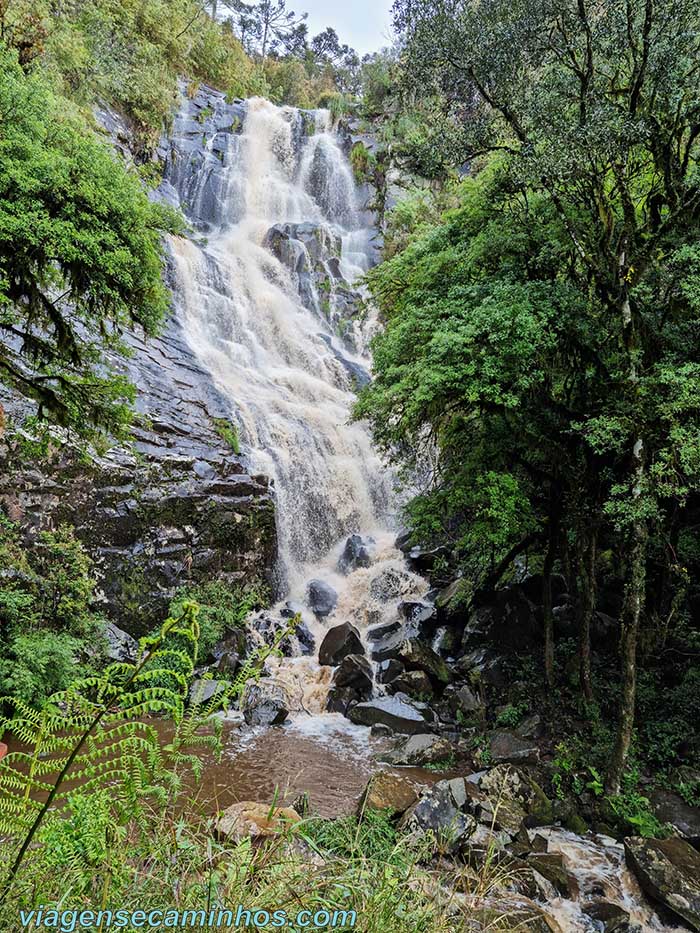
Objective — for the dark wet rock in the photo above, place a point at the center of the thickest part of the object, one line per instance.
(387, 791)
(422, 750)
(490, 666)
(359, 377)
(671, 809)
(530, 727)
(413, 683)
(551, 866)
(416, 655)
(668, 870)
(386, 648)
(389, 670)
(177, 509)
(436, 812)
(203, 689)
(322, 598)
(268, 626)
(508, 747)
(264, 704)
(397, 712)
(508, 620)
(383, 630)
(424, 561)
(340, 641)
(420, 617)
(351, 684)
(609, 918)
(447, 641)
(229, 652)
(121, 646)
(356, 553)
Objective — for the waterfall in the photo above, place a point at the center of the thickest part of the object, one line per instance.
(268, 303)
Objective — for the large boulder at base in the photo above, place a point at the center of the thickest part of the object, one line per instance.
(264, 704)
(422, 749)
(436, 812)
(356, 553)
(508, 747)
(387, 791)
(351, 684)
(416, 655)
(322, 598)
(338, 643)
(397, 712)
(668, 870)
(425, 562)
(254, 819)
(514, 796)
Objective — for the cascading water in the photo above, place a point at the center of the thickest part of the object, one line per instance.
(263, 301)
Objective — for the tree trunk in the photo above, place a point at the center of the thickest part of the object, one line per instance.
(586, 565)
(634, 604)
(547, 588)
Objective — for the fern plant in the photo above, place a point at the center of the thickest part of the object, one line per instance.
(93, 735)
(96, 736)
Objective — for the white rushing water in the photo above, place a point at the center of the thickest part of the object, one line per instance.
(253, 310)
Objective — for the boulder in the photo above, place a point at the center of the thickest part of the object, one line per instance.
(322, 598)
(422, 749)
(397, 712)
(264, 704)
(351, 684)
(672, 809)
(338, 643)
(389, 670)
(515, 797)
(254, 819)
(204, 688)
(609, 918)
(387, 791)
(420, 617)
(551, 866)
(356, 553)
(416, 655)
(120, 645)
(437, 813)
(427, 561)
(413, 683)
(668, 870)
(508, 747)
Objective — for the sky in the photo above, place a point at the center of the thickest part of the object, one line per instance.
(362, 24)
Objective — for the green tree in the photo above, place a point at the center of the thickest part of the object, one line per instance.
(594, 110)
(80, 257)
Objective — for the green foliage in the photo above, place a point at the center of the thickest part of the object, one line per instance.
(228, 432)
(46, 615)
(363, 163)
(94, 732)
(444, 764)
(512, 714)
(371, 836)
(80, 257)
(222, 608)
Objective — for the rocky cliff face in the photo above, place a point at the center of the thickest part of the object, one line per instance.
(179, 506)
